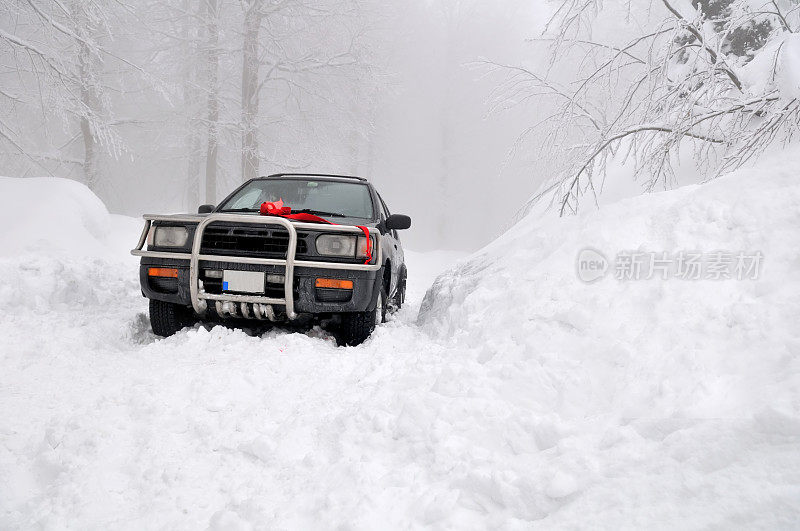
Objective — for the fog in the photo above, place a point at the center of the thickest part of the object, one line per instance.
(142, 101)
(604, 359)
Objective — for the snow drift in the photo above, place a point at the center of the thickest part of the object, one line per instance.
(686, 393)
(518, 397)
(50, 215)
(63, 247)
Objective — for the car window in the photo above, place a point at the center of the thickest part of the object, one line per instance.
(247, 199)
(344, 198)
(386, 214)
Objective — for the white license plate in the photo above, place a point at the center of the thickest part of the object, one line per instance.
(243, 281)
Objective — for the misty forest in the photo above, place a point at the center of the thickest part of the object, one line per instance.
(446, 104)
(563, 295)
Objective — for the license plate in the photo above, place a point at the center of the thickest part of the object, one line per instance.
(243, 281)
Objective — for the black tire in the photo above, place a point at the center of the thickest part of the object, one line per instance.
(383, 305)
(356, 327)
(400, 294)
(167, 318)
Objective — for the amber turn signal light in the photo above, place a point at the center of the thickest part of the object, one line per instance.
(162, 272)
(333, 283)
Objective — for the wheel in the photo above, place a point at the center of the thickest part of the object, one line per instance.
(356, 327)
(399, 295)
(381, 305)
(167, 318)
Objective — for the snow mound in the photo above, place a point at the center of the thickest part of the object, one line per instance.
(63, 248)
(693, 384)
(520, 397)
(49, 215)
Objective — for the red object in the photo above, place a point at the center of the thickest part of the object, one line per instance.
(277, 209)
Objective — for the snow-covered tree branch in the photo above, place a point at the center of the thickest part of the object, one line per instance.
(717, 77)
(60, 53)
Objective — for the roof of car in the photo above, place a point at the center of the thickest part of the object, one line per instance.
(326, 176)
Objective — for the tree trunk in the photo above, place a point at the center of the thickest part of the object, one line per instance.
(212, 64)
(190, 94)
(88, 68)
(250, 74)
(90, 165)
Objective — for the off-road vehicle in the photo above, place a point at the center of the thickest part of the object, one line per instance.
(288, 248)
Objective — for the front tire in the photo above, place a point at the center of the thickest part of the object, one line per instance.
(167, 318)
(400, 294)
(356, 327)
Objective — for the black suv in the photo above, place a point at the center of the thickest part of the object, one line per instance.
(267, 254)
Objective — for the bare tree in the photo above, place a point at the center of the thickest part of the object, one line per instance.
(191, 94)
(291, 51)
(86, 23)
(83, 82)
(58, 66)
(212, 80)
(60, 57)
(251, 63)
(678, 83)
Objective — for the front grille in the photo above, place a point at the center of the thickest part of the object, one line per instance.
(261, 242)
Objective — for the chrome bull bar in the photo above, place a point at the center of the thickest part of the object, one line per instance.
(199, 298)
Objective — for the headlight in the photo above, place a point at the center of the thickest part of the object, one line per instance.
(361, 247)
(169, 236)
(336, 245)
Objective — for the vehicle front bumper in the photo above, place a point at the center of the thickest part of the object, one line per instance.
(307, 297)
(300, 294)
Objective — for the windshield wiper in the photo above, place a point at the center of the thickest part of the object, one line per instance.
(300, 211)
(318, 213)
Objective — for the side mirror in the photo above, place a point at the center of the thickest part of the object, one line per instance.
(205, 209)
(398, 222)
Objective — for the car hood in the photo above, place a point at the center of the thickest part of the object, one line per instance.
(335, 221)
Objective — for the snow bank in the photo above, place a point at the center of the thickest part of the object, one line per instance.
(686, 393)
(61, 246)
(523, 399)
(49, 216)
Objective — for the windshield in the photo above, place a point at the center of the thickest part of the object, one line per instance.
(342, 199)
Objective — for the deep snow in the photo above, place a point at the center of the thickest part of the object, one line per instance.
(518, 397)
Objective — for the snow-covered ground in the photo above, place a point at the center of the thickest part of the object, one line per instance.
(518, 397)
